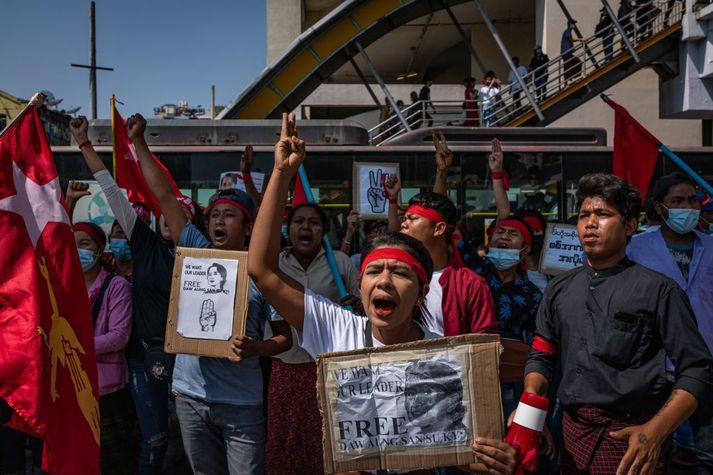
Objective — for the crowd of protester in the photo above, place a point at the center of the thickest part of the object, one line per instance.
(257, 411)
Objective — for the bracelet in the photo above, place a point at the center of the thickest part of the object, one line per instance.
(345, 241)
(247, 178)
(393, 201)
(84, 144)
(503, 175)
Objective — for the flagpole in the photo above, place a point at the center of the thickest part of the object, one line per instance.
(690, 171)
(113, 136)
(325, 241)
(37, 100)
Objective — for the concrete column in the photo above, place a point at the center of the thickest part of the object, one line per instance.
(284, 23)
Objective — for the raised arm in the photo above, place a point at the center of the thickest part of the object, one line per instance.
(283, 293)
(75, 191)
(352, 224)
(444, 160)
(79, 128)
(495, 162)
(246, 167)
(170, 208)
(120, 206)
(393, 188)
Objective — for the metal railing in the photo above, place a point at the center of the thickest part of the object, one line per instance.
(585, 58)
(425, 114)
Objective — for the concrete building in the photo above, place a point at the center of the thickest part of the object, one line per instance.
(431, 47)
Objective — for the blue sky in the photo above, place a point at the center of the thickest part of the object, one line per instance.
(162, 51)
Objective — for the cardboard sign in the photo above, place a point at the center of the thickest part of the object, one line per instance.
(561, 250)
(235, 180)
(370, 196)
(209, 301)
(410, 406)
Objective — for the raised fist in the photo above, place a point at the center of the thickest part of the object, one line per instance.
(79, 128)
(136, 126)
(76, 190)
(392, 186)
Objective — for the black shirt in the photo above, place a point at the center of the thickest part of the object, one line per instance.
(614, 329)
(151, 287)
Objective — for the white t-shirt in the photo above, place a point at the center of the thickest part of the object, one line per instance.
(330, 327)
(487, 96)
(432, 310)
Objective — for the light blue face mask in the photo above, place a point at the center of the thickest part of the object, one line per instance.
(121, 250)
(86, 258)
(504, 258)
(682, 221)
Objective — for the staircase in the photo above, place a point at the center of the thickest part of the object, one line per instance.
(591, 67)
(566, 82)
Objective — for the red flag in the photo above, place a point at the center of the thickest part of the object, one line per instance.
(48, 367)
(635, 149)
(128, 169)
(298, 197)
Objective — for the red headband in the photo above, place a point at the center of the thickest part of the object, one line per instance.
(100, 239)
(428, 213)
(399, 255)
(226, 201)
(517, 224)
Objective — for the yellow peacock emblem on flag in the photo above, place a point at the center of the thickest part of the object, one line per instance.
(64, 347)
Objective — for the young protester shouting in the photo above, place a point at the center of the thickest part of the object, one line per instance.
(291, 394)
(394, 280)
(679, 251)
(458, 300)
(152, 255)
(218, 401)
(611, 324)
(110, 301)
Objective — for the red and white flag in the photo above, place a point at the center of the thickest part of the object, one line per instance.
(127, 168)
(48, 368)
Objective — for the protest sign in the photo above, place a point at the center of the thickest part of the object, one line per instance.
(409, 406)
(235, 180)
(208, 303)
(561, 250)
(370, 196)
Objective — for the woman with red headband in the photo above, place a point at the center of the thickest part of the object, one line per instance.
(153, 255)
(395, 272)
(110, 300)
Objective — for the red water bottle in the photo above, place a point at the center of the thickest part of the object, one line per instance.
(526, 430)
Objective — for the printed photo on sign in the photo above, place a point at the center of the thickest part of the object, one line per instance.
(371, 197)
(229, 180)
(400, 405)
(207, 297)
(561, 250)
